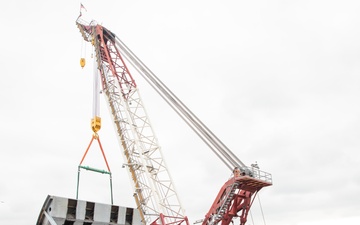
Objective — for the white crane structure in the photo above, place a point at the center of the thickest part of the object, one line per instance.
(154, 190)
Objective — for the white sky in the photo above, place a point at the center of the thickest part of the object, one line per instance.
(277, 81)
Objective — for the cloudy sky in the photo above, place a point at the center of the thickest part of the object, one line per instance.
(277, 81)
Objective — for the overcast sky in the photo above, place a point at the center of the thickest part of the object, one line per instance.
(277, 81)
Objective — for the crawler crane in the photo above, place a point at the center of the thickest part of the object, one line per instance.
(154, 191)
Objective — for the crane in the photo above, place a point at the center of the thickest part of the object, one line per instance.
(154, 191)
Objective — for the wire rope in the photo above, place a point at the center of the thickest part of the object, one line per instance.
(251, 216)
(262, 213)
(215, 144)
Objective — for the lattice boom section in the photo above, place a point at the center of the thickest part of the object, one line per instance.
(152, 183)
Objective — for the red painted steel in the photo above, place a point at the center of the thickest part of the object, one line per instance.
(234, 200)
(112, 59)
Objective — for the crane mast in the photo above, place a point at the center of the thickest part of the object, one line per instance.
(154, 191)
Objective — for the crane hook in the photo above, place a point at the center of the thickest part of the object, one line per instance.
(82, 62)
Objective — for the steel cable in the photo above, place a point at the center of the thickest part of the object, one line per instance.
(215, 144)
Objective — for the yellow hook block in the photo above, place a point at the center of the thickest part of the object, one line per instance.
(96, 124)
(82, 62)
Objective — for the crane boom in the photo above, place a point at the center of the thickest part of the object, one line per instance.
(154, 190)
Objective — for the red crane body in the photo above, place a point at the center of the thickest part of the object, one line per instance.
(235, 197)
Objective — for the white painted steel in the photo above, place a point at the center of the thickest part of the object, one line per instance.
(58, 211)
(152, 184)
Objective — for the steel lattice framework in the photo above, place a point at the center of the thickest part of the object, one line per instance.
(154, 191)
